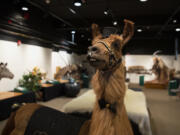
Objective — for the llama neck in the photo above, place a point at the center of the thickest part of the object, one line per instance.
(109, 85)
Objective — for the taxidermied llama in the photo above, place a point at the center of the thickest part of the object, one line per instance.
(109, 114)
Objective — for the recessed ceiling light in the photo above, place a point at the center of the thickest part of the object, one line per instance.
(47, 1)
(115, 23)
(143, 0)
(25, 8)
(77, 3)
(82, 36)
(73, 32)
(105, 12)
(139, 30)
(177, 29)
(174, 21)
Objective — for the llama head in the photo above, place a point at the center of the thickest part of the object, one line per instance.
(107, 52)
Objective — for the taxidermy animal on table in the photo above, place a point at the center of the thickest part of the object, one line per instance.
(5, 72)
(73, 71)
(162, 73)
(138, 70)
(109, 113)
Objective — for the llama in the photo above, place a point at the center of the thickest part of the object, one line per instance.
(109, 114)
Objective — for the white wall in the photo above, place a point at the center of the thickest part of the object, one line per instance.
(146, 61)
(62, 59)
(22, 59)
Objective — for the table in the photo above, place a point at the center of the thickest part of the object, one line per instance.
(10, 98)
(5, 95)
(51, 92)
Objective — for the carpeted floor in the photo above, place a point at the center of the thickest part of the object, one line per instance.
(164, 110)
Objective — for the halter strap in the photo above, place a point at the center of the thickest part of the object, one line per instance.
(111, 56)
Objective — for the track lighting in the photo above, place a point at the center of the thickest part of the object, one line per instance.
(73, 32)
(77, 3)
(115, 23)
(139, 30)
(174, 21)
(143, 0)
(47, 1)
(105, 12)
(25, 8)
(177, 29)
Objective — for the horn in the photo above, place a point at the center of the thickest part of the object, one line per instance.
(156, 52)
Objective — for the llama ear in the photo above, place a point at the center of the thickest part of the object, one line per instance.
(128, 31)
(5, 64)
(96, 34)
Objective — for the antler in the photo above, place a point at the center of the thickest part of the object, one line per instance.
(128, 31)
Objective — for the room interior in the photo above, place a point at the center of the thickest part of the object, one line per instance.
(44, 49)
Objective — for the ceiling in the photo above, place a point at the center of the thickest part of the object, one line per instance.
(50, 24)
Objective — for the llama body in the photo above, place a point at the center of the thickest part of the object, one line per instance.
(105, 122)
(109, 114)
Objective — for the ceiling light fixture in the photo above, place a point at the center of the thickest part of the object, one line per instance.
(48, 1)
(77, 3)
(73, 32)
(25, 8)
(139, 30)
(177, 29)
(82, 36)
(105, 12)
(174, 21)
(115, 23)
(143, 0)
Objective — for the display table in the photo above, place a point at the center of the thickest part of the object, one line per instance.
(52, 91)
(155, 85)
(7, 99)
(63, 81)
(5, 95)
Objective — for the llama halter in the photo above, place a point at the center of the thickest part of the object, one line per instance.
(111, 55)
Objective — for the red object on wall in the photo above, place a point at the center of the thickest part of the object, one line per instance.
(19, 42)
(9, 21)
(26, 16)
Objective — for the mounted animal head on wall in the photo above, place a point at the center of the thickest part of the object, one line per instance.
(105, 53)
(5, 72)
